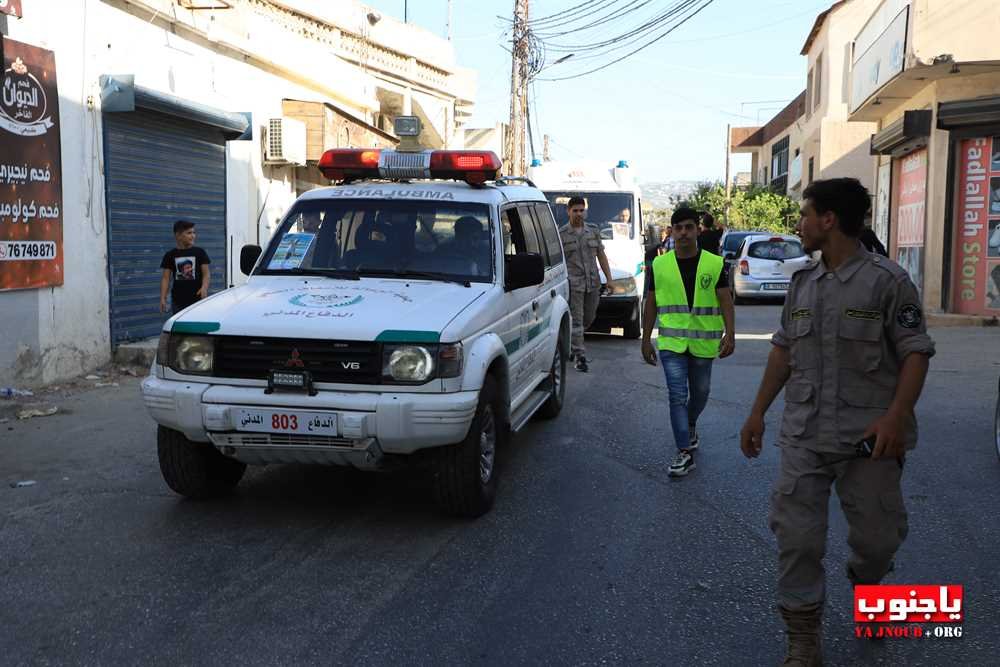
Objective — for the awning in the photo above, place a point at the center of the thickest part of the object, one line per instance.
(904, 135)
(966, 113)
(120, 94)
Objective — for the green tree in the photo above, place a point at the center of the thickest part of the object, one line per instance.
(751, 208)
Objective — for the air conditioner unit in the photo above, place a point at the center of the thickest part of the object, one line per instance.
(285, 142)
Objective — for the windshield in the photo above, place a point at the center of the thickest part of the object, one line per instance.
(775, 250)
(611, 212)
(733, 241)
(378, 236)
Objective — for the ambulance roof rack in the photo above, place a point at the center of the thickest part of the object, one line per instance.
(514, 180)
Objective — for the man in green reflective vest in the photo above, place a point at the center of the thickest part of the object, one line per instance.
(688, 298)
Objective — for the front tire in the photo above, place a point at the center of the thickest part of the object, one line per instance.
(996, 422)
(193, 469)
(557, 383)
(465, 482)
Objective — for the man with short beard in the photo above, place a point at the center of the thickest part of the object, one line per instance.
(852, 354)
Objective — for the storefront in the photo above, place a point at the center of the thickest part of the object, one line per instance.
(900, 218)
(164, 160)
(974, 223)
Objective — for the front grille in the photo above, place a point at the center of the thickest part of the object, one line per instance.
(351, 362)
(280, 440)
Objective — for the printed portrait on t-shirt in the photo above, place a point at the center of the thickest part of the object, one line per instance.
(184, 268)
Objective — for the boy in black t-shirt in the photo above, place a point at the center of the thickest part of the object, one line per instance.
(188, 265)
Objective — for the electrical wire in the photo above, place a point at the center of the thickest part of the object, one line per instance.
(647, 44)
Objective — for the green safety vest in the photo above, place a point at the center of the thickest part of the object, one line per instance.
(697, 329)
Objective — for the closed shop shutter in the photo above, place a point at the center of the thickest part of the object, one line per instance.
(158, 169)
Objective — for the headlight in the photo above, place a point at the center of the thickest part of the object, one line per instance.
(409, 363)
(192, 354)
(622, 286)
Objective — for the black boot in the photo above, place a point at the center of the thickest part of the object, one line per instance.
(803, 629)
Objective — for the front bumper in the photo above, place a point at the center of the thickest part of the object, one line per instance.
(369, 424)
(750, 287)
(616, 311)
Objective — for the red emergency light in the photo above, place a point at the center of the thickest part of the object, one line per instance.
(341, 164)
(473, 167)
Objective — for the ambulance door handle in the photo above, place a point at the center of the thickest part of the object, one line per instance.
(534, 305)
(552, 294)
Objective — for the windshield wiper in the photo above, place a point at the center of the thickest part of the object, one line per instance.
(325, 273)
(399, 273)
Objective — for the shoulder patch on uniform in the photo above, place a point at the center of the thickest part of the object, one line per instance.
(802, 313)
(859, 314)
(910, 316)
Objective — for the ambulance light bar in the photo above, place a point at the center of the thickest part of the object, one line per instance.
(473, 167)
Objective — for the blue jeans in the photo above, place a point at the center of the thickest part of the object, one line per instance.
(689, 380)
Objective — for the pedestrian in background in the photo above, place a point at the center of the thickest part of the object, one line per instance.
(187, 266)
(852, 354)
(869, 239)
(687, 296)
(584, 249)
(711, 234)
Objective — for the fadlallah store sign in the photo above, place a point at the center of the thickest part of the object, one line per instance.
(31, 231)
(12, 7)
(976, 286)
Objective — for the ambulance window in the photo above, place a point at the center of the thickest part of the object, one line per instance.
(516, 240)
(547, 226)
(532, 241)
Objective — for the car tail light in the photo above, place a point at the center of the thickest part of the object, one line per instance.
(776, 239)
(473, 167)
(744, 267)
(340, 164)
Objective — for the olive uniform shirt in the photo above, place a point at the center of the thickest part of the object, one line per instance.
(580, 248)
(847, 332)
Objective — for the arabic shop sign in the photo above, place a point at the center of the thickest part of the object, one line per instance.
(12, 7)
(30, 170)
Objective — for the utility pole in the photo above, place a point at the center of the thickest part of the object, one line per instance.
(514, 159)
(728, 135)
(546, 156)
(406, 11)
(448, 28)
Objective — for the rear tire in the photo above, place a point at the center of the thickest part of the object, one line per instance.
(193, 469)
(633, 328)
(557, 383)
(465, 481)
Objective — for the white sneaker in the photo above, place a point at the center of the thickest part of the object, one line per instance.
(682, 464)
(693, 440)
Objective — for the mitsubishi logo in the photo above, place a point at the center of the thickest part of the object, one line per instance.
(294, 361)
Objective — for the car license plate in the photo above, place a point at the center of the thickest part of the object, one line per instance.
(775, 286)
(284, 421)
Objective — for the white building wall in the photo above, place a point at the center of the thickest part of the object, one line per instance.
(91, 38)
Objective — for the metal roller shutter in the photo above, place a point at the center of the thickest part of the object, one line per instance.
(158, 169)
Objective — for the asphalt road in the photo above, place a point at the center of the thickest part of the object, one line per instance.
(592, 554)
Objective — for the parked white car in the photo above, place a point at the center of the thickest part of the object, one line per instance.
(763, 265)
(392, 319)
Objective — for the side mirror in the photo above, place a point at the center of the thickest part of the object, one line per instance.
(523, 270)
(248, 258)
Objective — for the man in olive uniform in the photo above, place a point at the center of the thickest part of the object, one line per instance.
(583, 248)
(852, 354)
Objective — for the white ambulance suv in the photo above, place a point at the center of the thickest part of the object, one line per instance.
(417, 312)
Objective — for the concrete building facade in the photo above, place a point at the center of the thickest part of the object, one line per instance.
(775, 149)
(174, 108)
(927, 73)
